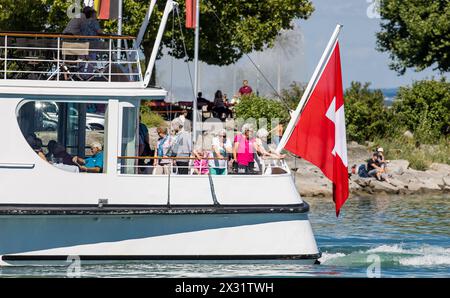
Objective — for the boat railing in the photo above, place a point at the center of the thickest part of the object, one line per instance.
(169, 165)
(61, 57)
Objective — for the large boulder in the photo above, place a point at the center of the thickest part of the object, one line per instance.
(397, 167)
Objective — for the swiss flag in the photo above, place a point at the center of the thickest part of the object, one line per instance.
(319, 135)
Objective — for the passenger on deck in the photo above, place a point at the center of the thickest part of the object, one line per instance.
(144, 147)
(74, 25)
(162, 147)
(201, 162)
(243, 150)
(36, 144)
(57, 153)
(90, 27)
(262, 148)
(93, 164)
(181, 147)
(221, 147)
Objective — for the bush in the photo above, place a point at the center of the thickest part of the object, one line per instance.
(424, 109)
(151, 119)
(292, 95)
(365, 113)
(419, 156)
(252, 106)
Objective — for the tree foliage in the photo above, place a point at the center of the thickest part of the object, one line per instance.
(365, 113)
(416, 33)
(255, 107)
(424, 108)
(292, 95)
(244, 26)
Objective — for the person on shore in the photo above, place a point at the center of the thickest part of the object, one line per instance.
(93, 164)
(181, 147)
(162, 147)
(245, 89)
(243, 150)
(219, 108)
(221, 147)
(382, 161)
(373, 167)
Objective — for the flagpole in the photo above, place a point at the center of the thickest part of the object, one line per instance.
(312, 82)
(194, 102)
(119, 26)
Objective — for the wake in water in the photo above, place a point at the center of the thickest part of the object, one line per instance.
(391, 255)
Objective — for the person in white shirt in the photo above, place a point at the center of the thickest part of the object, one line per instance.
(221, 146)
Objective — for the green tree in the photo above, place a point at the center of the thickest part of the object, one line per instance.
(255, 107)
(292, 95)
(424, 108)
(245, 25)
(23, 15)
(365, 113)
(416, 33)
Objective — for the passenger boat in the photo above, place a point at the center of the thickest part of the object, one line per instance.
(50, 212)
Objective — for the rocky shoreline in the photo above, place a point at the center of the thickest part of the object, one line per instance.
(311, 182)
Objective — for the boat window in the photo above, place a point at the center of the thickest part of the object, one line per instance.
(129, 140)
(59, 131)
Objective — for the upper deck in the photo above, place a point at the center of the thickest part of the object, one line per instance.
(71, 61)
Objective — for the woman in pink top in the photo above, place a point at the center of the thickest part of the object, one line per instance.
(243, 149)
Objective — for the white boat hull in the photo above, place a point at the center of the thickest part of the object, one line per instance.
(182, 237)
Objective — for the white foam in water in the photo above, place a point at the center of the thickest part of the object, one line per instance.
(330, 256)
(430, 260)
(419, 256)
(396, 248)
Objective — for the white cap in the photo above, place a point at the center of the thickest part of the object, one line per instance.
(380, 149)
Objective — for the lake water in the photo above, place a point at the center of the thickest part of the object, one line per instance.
(410, 236)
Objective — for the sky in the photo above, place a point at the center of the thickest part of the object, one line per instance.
(296, 59)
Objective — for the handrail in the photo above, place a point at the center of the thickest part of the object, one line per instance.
(166, 157)
(61, 35)
(34, 56)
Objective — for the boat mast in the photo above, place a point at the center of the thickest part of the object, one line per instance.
(119, 24)
(194, 102)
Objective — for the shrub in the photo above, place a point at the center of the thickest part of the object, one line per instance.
(424, 108)
(252, 106)
(151, 119)
(365, 113)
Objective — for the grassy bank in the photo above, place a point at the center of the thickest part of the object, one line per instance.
(420, 156)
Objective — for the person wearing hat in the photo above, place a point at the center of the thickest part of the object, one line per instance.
(381, 160)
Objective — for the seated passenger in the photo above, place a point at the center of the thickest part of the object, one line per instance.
(93, 164)
(243, 149)
(36, 144)
(221, 146)
(58, 154)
